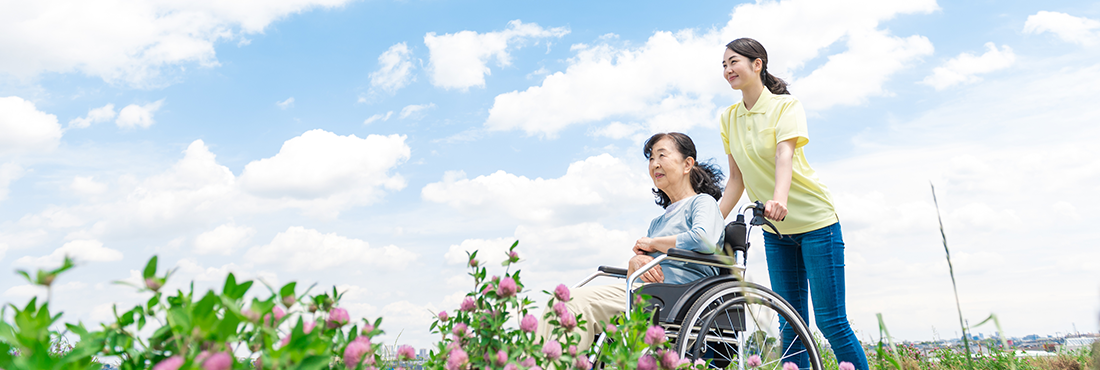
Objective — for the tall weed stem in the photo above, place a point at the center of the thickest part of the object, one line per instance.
(951, 269)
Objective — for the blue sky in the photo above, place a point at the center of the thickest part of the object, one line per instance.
(368, 144)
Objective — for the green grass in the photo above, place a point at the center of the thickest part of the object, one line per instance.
(908, 357)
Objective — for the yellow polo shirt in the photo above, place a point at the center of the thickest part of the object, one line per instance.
(751, 135)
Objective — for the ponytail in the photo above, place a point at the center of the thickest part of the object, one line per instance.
(753, 50)
(774, 84)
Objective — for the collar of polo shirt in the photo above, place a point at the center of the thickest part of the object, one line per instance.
(762, 104)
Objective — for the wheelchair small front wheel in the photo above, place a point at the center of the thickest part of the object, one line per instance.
(732, 323)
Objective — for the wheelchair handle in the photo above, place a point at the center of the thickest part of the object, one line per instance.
(758, 218)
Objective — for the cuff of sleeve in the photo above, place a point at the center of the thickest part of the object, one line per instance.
(802, 140)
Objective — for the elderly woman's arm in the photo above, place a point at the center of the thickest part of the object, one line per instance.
(660, 244)
(705, 230)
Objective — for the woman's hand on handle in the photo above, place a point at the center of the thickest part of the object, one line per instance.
(775, 210)
(654, 275)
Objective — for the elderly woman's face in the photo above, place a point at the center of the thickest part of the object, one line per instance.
(667, 167)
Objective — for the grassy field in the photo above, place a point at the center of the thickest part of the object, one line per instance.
(909, 358)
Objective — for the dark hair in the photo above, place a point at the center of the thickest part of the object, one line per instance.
(705, 177)
(752, 49)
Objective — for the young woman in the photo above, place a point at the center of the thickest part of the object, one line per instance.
(763, 136)
(687, 191)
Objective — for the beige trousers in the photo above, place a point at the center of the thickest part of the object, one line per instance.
(596, 304)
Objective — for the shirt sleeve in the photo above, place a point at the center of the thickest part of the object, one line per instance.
(704, 226)
(791, 123)
(724, 128)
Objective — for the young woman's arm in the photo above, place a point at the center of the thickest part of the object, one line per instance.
(776, 208)
(734, 187)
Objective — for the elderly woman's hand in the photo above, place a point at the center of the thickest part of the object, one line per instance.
(654, 275)
(644, 246)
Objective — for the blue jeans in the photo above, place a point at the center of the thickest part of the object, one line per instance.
(814, 262)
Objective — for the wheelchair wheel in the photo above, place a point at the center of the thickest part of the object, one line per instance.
(732, 322)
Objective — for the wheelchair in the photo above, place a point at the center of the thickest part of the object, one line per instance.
(723, 318)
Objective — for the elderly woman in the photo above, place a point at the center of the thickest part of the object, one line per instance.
(687, 190)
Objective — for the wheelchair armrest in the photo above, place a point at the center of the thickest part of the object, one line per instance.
(707, 259)
(608, 271)
(613, 270)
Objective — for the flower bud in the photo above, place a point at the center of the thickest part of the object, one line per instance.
(507, 287)
(562, 293)
(552, 349)
(153, 284)
(529, 323)
(337, 317)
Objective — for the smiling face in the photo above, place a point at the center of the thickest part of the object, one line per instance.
(739, 70)
(667, 166)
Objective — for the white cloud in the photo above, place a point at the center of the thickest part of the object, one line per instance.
(134, 115)
(997, 181)
(872, 57)
(618, 130)
(192, 191)
(1078, 30)
(189, 269)
(490, 251)
(288, 103)
(677, 74)
(23, 128)
(378, 117)
(410, 110)
(324, 172)
(96, 115)
(597, 186)
(223, 239)
(79, 250)
(319, 173)
(9, 172)
(26, 291)
(458, 60)
(87, 186)
(299, 248)
(394, 68)
(964, 68)
(129, 41)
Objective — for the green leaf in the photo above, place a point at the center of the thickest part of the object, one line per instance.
(152, 303)
(241, 289)
(230, 284)
(315, 362)
(150, 268)
(126, 319)
(227, 328)
(25, 276)
(287, 290)
(5, 353)
(65, 266)
(179, 320)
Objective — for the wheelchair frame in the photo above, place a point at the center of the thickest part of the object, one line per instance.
(715, 296)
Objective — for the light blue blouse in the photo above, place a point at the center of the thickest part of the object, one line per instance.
(697, 224)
